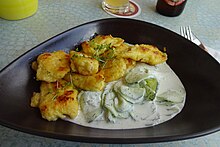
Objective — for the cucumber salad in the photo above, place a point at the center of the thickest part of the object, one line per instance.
(144, 97)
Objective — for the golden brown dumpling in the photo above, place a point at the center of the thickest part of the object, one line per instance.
(56, 100)
(114, 69)
(83, 64)
(122, 48)
(144, 53)
(94, 82)
(52, 66)
(100, 44)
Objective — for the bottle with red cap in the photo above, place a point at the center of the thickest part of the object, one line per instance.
(170, 7)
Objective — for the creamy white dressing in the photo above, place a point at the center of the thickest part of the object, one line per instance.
(147, 113)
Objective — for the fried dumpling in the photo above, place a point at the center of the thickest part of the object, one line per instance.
(52, 66)
(122, 48)
(100, 44)
(144, 53)
(94, 82)
(114, 69)
(56, 100)
(83, 64)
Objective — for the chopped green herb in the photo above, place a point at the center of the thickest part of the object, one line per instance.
(104, 57)
(98, 59)
(77, 56)
(74, 56)
(55, 96)
(67, 84)
(77, 49)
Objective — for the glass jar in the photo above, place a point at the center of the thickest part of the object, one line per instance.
(170, 7)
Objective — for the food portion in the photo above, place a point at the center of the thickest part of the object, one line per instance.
(115, 68)
(94, 82)
(101, 44)
(51, 67)
(107, 83)
(144, 53)
(83, 64)
(56, 100)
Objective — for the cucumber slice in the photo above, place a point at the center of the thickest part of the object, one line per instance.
(109, 103)
(110, 117)
(162, 101)
(117, 86)
(124, 115)
(92, 115)
(90, 103)
(151, 85)
(150, 94)
(133, 95)
(171, 96)
(108, 88)
(119, 111)
(121, 105)
(136, 75)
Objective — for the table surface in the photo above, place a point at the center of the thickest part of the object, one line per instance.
(56, 16)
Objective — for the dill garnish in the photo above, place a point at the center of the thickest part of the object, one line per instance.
(103, 53)
(102, 47)
(98, 58)
(54, 97)
(67, 84)
(77, 56)
(74, 56)
(77, 49)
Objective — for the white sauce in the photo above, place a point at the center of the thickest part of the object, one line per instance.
(149, 113)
